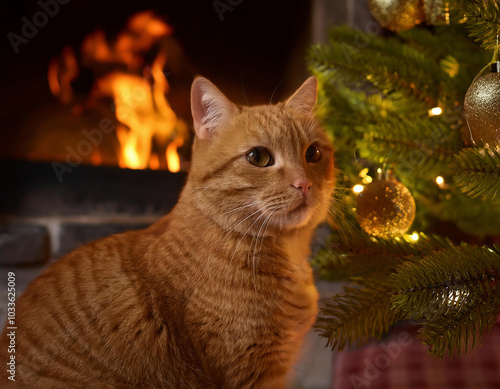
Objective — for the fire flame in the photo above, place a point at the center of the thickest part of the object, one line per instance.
(173, 161)
(145, 119)
(154, 162)
(144, 113)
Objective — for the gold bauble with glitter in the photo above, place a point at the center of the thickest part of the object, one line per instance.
(385, 208)
(482, 107)
(397, 15)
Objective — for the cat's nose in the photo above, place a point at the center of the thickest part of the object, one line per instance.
(303, 184)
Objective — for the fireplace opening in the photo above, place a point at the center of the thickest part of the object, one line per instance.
(95, 132)
(125, 82)
(107, 83)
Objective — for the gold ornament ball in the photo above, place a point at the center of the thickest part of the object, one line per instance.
(397, 15)
(482, 109)
(385, 208)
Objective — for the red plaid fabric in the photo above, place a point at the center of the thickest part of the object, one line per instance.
(400, 361)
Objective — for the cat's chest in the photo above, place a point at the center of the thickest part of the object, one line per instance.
(300, 297)
(246, 296)
(300, 302)
(290, 294)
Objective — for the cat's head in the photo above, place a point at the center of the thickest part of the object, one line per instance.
(261, 169)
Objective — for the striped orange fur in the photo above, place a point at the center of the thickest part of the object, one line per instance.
(218, 293)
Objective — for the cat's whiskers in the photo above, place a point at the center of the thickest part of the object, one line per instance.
(278, 203)
(263, 212)
(311, 124)
(204, 188)
(322, 120)
(255, 203)
(263, 228)
(267, 223)
(340, 218)
(317, 109)
(254, 242)
(339, 224)
(275, 89)
(230, 231)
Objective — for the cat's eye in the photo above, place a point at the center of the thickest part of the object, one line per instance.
(313, 154)
(260, 157)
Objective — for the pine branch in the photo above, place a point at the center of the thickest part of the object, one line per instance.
(449, 43)
(375, 94)
(454, 291)
(409, 64)
(365, 260)
(483, 21)
(387, 64)
(478, 173)
(416, 147)
(357, 316)
(384, 89)
(460, 329)
(427, 286)
(473, 216)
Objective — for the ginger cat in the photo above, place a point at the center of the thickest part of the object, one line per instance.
(218, 293)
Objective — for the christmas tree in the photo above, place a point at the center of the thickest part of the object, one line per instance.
(415, 124)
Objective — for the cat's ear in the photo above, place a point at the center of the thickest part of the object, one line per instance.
(210, 108)
(304, 99)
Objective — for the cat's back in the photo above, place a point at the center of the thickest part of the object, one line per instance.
(92, 317)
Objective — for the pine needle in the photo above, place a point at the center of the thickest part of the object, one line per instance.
(357, 316)
(455, 291)
(478, 173)
(483, 21)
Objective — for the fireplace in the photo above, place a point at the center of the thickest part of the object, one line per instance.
(96, 126)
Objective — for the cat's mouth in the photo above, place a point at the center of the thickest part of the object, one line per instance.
(299, 214)
(300, 208)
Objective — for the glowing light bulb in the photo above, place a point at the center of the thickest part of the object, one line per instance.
(363, 172)
(414, 236)
(435, 111)
(358, 188)
(440, 182)
(366, 180)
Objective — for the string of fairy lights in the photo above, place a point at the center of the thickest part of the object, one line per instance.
(385, 207)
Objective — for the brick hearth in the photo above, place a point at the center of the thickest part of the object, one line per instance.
(42, 219)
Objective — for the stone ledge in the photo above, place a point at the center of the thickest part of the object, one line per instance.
(23, 244)
(33, 189)
(73, 235)
(62, 234)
